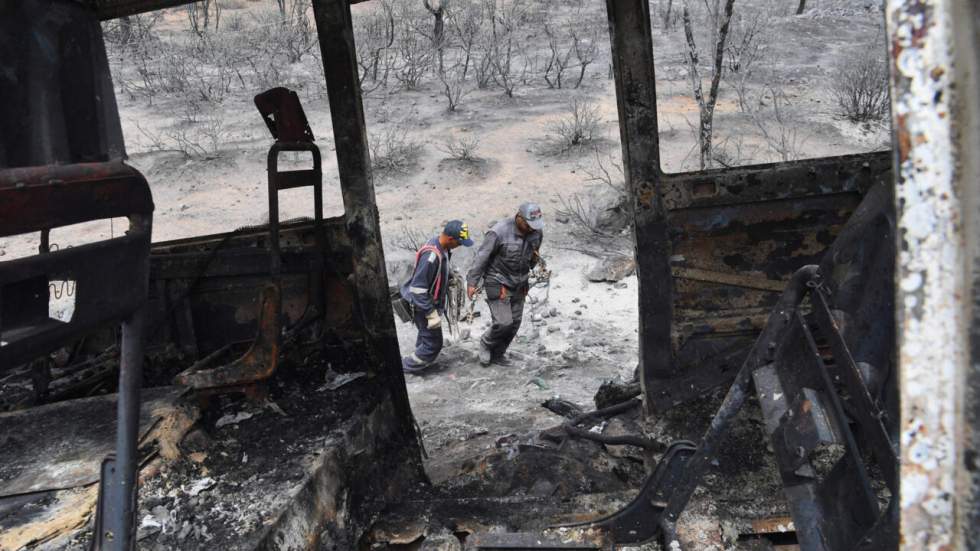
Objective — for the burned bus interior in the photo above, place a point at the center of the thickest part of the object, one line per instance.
(772, 286)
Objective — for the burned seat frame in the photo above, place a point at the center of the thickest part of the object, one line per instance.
(111, 286)
(283, 115)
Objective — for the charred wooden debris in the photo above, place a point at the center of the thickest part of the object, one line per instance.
(777, 282)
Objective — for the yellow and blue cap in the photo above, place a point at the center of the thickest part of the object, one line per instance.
(458, 231)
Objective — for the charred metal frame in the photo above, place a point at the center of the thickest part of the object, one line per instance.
(111, 286)
(61, 168)
(935, 84)
(695, 327)
(372, 302)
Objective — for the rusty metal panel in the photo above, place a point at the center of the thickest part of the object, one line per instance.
(219, 276)
(737, 235)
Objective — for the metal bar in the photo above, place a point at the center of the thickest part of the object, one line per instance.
(781, 320)
(773, 181)
(38, 198)
(934, 87)
(122, 523)
(372, 305)
(865, 515)
(966, 35)
(735, 280)
(636, 98)
(112, 9)
(273, 173)
(868, 414)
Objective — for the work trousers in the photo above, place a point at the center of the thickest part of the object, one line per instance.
(507, 314)
(428, 344)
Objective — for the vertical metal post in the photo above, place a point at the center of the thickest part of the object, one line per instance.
(935, 115)
(333, 21)
(118, 502)
(966, 22)
(636, 98)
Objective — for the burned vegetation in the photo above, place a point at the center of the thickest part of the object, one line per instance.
(244, 390)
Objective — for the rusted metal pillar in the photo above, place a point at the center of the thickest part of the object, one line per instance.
(935, 112)
(636, 98)
(372, 305)
(966, 121)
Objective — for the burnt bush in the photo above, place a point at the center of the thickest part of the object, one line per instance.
(860, 85)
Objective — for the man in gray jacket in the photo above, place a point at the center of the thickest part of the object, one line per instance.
(504, 261)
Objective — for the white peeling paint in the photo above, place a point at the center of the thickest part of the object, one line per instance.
(930, 269)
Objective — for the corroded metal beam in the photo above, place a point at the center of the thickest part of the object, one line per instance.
(372, 302)
(967, 36)
(112, 9)
(934, 113)
(636, 98)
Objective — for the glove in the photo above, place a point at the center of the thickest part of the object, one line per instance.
(434, 320)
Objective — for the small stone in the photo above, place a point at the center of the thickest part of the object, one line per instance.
(553, 329)
(201, 485)
(197, 457)
(441, 542)
(542, 488)
(576, 300)
(553, 312)
(612, 269)
(578, 312)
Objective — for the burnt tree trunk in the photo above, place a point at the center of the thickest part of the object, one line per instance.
(801, 7)
(438, 28)
(706, 106)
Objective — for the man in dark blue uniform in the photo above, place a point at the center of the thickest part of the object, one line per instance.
(426, 291)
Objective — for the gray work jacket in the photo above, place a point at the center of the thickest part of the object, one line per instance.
(505, 256)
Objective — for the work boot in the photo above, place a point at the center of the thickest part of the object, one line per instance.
(409, 366)
(485, 355)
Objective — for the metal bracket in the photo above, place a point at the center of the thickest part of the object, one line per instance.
(257, 364)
